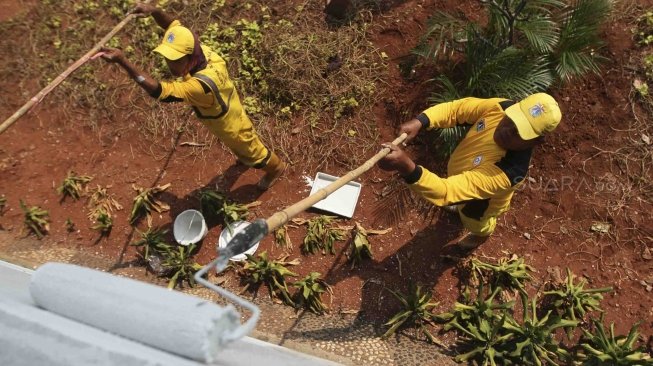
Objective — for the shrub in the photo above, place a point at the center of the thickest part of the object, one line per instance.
(145, 202)
(416, 311)
(360, 246)
(602, 348)
(37, 220)
(259, 270)
(321, 234)
(72, 185)
(179, 262)
(152, 241)
(309, 292)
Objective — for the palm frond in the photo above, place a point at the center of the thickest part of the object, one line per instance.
(579, 38)
(450, 138)
(448, 90)
(529, 76)
(443, 35)
(511, 72)
(540, 32)
(523, 11)
(543, 6)
(571, 64)
(392, 208)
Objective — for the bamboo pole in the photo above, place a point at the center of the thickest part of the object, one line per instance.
(40, 95)
(281, 217)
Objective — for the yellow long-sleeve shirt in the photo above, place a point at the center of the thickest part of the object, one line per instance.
(209, 91)
(481, 174)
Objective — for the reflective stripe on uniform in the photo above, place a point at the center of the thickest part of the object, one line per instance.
(216, 93)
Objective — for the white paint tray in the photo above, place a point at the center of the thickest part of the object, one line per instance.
(341, 202)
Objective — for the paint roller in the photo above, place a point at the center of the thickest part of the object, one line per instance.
(168, 320)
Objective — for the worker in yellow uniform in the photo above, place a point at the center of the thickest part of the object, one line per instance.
(206, 86)
(487, 165)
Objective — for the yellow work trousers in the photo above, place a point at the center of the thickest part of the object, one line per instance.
(239, 136)
(488, 222)
(483, 227)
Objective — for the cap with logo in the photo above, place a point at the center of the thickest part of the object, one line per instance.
(535, 115)
(177, 42)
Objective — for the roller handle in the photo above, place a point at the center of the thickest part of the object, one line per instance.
(242, 242)
(257, 230)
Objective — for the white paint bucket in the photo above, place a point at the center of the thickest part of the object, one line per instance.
(189, 227)
(226, 236)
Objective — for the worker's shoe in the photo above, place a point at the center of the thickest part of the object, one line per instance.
(471, 241)
(452, 209)
(273, 170)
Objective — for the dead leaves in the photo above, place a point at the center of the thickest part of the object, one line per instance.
(145, 202)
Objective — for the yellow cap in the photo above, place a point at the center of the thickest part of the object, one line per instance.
(177, 42)
(534, 116)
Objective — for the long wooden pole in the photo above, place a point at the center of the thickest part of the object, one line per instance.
(40, 95)
(278, 219)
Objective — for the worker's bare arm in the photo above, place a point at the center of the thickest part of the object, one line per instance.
(146, 82)
(162, 18)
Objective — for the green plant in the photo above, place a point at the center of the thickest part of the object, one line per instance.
(282, 239)
(644, 29)
(572, 301)
(152, 241)
(481, 323)
(464, 316)
(233, 212)
(508, 274)
(321, 235)
(533, 342)
(575, 53)
(487, 343)
(180, 263)
(416, 310)
(606, 349)
(360, 246)
(211, 202)
(345, 107)
(272, 273)
(37, 219)
(309, 293)
(72, 185)
(214, 204)
(104, 222)
(145, 203)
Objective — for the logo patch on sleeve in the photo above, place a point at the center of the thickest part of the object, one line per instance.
(477, 160)
(480, 126)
